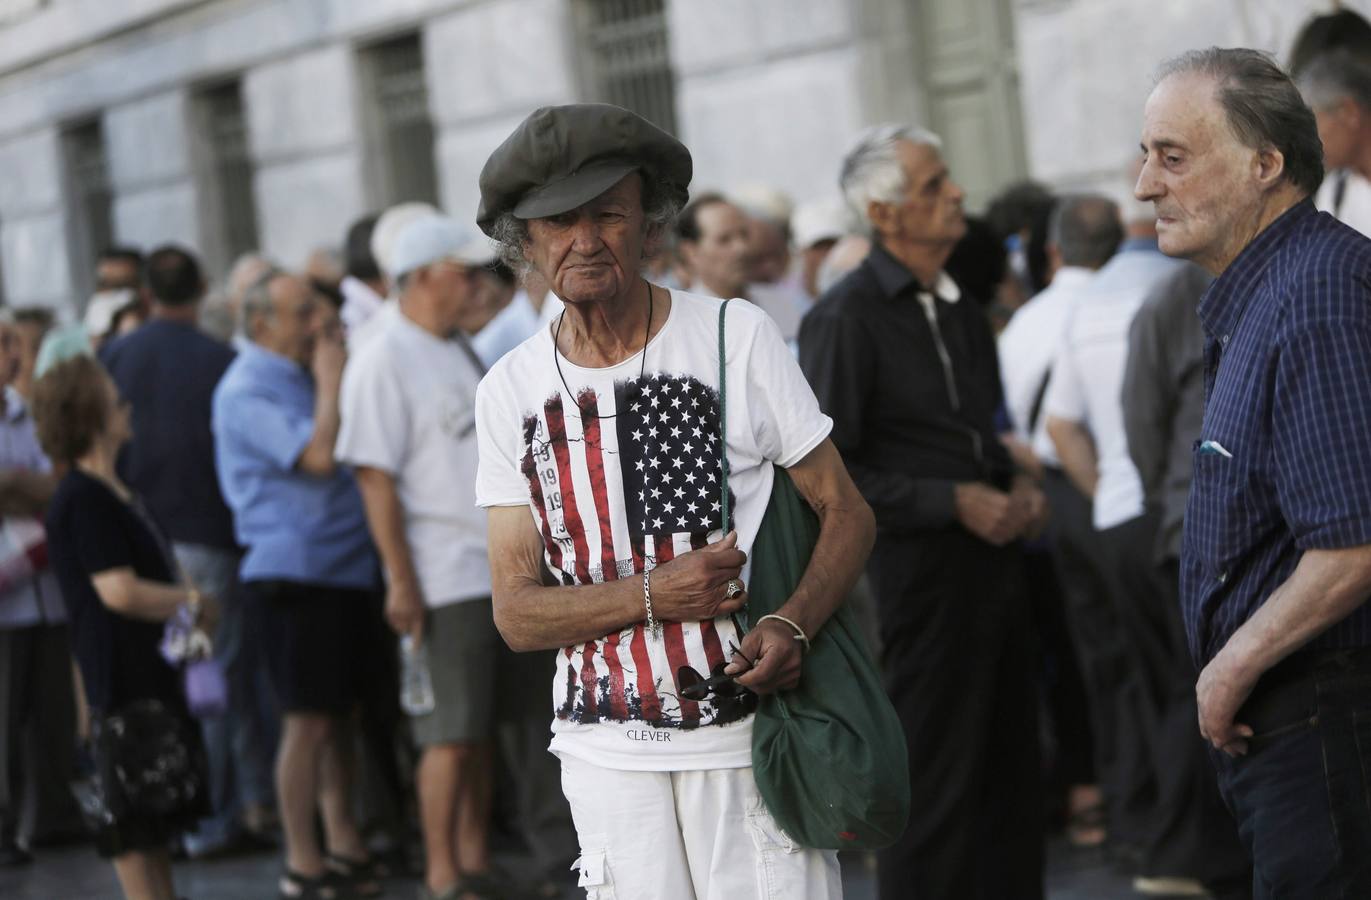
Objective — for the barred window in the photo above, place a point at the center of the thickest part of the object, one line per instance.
(90, 227)
(628, 59)
(399, 129)
(225, 173)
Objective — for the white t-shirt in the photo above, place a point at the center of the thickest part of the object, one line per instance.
(611, 496)
(408, 407)
(1028, 345)
(1355, 209)
(1087, 377)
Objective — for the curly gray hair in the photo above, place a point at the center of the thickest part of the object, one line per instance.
(661, 206)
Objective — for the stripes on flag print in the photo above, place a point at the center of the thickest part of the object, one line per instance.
(617, 493)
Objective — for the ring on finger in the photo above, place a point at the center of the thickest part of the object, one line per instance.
(735, 587)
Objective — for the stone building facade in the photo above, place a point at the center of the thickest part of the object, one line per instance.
(242, 124)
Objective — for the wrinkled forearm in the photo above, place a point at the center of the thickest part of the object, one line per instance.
(1326, 587)
(846, 536)
(386, 520)
(531, 616)
(1076, 450)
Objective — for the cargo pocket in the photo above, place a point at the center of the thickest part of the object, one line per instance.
(593, 866)
(779, 874)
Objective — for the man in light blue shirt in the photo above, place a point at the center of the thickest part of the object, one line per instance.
(310, 570)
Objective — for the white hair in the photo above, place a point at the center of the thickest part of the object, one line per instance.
(871, 170)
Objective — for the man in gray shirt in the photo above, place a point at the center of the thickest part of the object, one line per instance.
(1163, 394)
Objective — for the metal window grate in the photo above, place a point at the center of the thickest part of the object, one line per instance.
(630, 57)
(230, 172)
(403, 138)
(89, 201)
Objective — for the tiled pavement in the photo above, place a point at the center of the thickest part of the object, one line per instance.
(76, 872)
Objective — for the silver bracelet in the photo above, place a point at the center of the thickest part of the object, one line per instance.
(653, 626)
(799, 632)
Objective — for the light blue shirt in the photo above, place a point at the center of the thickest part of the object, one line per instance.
(296, 527)
(36, 600)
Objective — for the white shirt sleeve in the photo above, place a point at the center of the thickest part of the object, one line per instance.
(375, 415)
(499, 481)
(787, 422)
(1018, 395)
(1065, 397)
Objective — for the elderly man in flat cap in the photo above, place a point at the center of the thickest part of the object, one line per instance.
(605, 426)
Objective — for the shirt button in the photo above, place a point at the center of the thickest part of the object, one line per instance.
(1223, 577)
(1224, 340)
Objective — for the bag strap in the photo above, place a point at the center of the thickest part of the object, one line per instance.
(723, 418)
(1036, 411)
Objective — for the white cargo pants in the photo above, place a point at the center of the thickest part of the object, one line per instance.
(696, 835)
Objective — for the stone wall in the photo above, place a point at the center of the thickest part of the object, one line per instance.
(769, 91)
(1086, 69)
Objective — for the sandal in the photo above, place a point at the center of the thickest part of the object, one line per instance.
(294, 886)
(361, 876)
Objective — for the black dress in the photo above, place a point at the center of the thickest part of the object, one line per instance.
(90, 530)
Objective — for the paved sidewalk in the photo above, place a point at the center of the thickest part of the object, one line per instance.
(76, 872)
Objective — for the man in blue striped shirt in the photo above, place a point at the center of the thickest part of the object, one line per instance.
(1276, 558)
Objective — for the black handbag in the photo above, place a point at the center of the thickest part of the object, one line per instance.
(147, 761)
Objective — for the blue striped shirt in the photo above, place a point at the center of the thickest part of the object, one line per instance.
(1282, 465)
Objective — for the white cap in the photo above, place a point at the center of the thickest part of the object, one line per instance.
(821, 220)
(763, 202)
(104, 307)
(427, 240)
(388, 228)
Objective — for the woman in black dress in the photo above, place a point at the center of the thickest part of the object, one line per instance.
(117, 579)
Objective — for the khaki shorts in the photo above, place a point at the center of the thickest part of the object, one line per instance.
(463, 652)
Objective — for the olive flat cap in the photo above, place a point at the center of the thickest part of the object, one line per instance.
(563, 156)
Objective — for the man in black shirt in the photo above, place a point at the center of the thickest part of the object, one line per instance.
(908, 371)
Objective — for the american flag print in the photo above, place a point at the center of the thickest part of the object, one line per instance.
(614, 496)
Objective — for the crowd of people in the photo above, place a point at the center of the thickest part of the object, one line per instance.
(315, 541)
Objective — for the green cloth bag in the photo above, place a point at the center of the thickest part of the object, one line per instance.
(829, 756)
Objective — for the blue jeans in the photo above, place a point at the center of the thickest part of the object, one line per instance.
(238, 746)
(1302, 796)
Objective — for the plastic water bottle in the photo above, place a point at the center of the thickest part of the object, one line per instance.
(416, 685)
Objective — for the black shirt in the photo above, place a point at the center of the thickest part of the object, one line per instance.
(912, 402)
(168, 371)
(91, 530)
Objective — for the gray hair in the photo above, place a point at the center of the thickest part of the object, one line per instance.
(660, 203)
(257, 300)
(871, 170)
(1263, 108)
(1333, 77)
(1085, 229)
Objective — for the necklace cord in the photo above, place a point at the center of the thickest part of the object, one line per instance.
(557, 356)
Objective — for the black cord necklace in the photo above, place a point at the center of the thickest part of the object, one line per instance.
(557, 361)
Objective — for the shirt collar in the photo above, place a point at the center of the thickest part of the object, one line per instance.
(1222, 304)
(894, 278)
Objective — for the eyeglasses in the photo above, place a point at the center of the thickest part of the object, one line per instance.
(695, 686)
